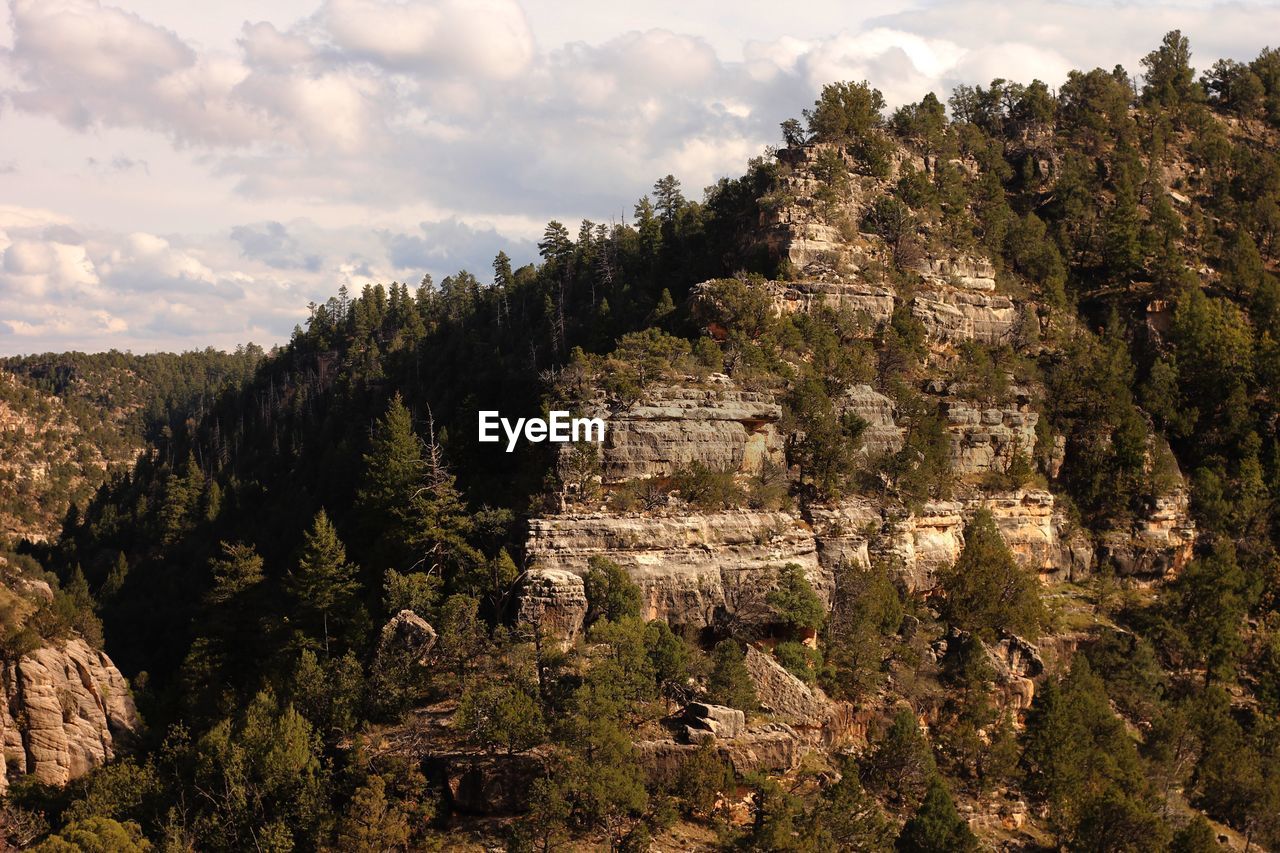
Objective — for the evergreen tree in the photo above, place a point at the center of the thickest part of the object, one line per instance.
(936, 825)
(730, 683)
(324, 584)
(986, 591)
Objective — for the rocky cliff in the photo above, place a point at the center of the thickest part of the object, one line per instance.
(693, 569)
(66, 709)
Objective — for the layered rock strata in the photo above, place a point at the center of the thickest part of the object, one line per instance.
(692, 570)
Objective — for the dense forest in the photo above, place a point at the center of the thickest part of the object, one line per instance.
(67, 420)
(318, 582)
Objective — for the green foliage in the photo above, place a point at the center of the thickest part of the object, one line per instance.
(703, 780)
(372, 821)
(324, 583)
(848, 818)
(97, 835)
(611, 594)
(794, 602)
(845, 112)
(900, 766)
(1078, 756)
(263, 779)
(707, 488)
(866, 613)
(986, 591)
(936, 825)
(825, 441)
(729, 683)
(500, 714)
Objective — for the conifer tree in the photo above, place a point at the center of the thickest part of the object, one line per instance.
(936, 825)
(324, 584)
(986, 591)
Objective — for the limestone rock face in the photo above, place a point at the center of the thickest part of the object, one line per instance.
(692, 569)
(66, 710)
(716, 423)
(955, 314)
(552, 600)
(770, 748)
(1159, 544)
(874, 301)
(959, 271)
(882, 434)
(988, 439)
(779, 692)
(1036, 531)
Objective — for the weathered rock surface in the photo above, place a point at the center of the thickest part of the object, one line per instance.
(959, 271)
(781, 693)
(552, 600)
(882, 433)
(1158, 544)
(772, 748)
(407, 635)
(715, 423)
(874, 301)
(987, 439)
(703, 720)
(1038, 533)
(691, 569)
(955, 314)
(66, 711)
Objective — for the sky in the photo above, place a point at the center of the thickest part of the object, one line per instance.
(176, 175)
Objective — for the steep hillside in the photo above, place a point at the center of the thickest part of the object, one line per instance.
(68, 421)
(935, 512)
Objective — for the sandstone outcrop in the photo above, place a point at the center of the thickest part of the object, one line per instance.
(1158, 544)
(988, 438)
(702, 721)
(66, 711)
(955, 315)
(714, 423)
(875, 302)
(553, 601)
(770, 748)
(693, 570)
(882, 434)
(856, 530)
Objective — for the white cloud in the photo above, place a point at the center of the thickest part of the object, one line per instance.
(406, 126)
(489, 38)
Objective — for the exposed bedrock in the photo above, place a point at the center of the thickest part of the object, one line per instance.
(66, 709)
(692, 569)
(957, 314)
(715, 423)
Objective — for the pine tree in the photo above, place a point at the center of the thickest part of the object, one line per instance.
(986, 591)
(373, 823)
(324, 584)
(936, 825)
(848, 818)
(730, 683)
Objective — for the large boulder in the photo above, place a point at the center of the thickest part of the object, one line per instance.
(407, 636)
(552, 601)
(66, 710)
(703, 720)
(781, 693)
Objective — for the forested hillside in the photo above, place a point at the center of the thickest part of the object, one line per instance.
(68, 420)
(937, 511)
